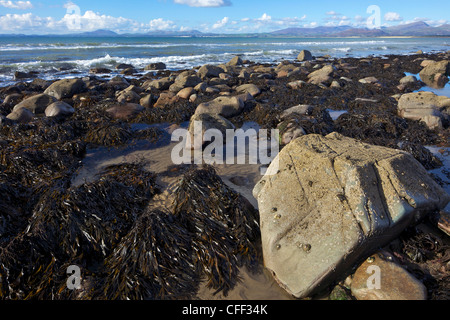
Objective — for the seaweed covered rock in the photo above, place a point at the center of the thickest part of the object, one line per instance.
(223, 224)
(328, 202)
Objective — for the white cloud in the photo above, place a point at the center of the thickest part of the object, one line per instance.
(76, 22)
(392, 16)
(265, 17)
(205, 3)
(20, 5)
(161, 24)
(311, 25)
(332, 13)
(221, 23)
(433, 23)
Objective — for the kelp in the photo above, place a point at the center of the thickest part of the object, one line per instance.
(153, 261)
(225, 230)
(82, 223)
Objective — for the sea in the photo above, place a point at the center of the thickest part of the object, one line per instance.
(56, 57)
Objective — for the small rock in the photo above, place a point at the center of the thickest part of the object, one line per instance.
(22, 115)
(147, 101)
(123, 66)
(305, 55)
(418, 105)
(302, 109)
(236, 61)
(36, 104)
(128, 96)
(66, 88)
(322, 75)
(159, 84)
(201, 87)
(432, 122)
(224, 106)
(100, 71)
(165, 99)
(156, 66)
(204, 122)
(128, 71)
(209, 71)
(335, 84)
(59, 108)
(125, 111)
(408, 80)
(369, 80)
(12, 99)
(186, 93)
(24, 75)
(394, 282)
(295, 85)
(249, 88)
(428, 74)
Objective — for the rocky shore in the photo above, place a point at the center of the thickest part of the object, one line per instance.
(354, 190)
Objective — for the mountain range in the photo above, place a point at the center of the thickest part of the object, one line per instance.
(416, 29)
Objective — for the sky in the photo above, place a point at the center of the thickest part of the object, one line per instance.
(214, 16)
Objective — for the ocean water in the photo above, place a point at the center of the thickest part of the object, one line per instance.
(59, 57)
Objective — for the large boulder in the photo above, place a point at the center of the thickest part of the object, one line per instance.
(36, 104)
(423, 106)
(66, 88)
(326, 203)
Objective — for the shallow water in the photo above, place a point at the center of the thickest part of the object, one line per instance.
(48, 54)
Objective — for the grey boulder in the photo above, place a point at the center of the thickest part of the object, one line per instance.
(327, 203)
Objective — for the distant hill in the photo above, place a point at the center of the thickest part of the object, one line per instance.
(98, 33)
(311, 32)
(417, 29)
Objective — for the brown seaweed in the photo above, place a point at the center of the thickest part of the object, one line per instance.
(153, 261)
(225, 230)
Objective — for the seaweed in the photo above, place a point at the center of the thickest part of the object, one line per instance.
(427, 256)
(82, 224)
(153, 261)
(225, 231)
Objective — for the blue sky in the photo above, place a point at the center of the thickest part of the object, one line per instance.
(219, 16)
